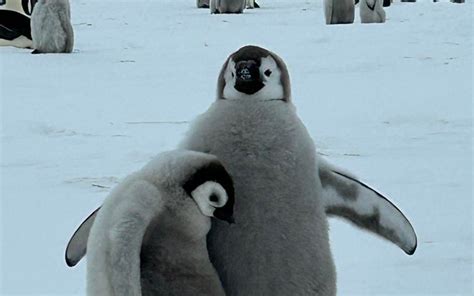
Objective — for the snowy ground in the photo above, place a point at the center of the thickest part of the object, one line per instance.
(390, 102)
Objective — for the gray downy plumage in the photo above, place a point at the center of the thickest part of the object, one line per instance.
(339, 11)
(371, 11)
(202, 3)
(341, 194)
(149, 236)
(279, 245)
(51, 27)
(227, 6)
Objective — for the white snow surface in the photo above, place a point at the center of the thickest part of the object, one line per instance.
(390, 102)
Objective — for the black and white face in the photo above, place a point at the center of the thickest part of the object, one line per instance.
(209, 185)
(212, 199)
(256, 78)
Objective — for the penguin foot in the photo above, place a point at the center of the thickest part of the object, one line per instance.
(36, 51)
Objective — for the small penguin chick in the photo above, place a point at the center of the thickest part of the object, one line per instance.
(51, 27)
(202, 3)
(227, 6)
(371, 11)
(252, 4)
(149, 237)
(339, 11)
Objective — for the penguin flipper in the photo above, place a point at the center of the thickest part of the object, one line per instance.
(256, 5)
(347, 197)
(77, 246)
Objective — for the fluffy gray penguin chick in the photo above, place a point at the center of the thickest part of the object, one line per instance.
(51, 27)
(149, 236)
(339, 11)
(202, 3)
(227, 6)
(371, 11)
(280, 244)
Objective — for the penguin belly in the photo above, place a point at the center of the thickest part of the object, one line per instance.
(279, 242)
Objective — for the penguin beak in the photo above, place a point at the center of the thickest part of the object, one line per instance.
(248, 77)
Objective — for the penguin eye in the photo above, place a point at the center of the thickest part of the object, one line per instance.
(214, 198)
(268, 73)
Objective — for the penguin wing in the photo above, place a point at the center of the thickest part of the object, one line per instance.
(77, 246)
(345, 196)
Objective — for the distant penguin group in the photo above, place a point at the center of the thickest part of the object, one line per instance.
(15, 29)
(342, 11)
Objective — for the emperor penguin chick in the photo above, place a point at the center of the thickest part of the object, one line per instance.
(51, 27)
(149, 236)
(280, 245)
(371, 11)
(227, 6)
(339, 11)
(202, 3)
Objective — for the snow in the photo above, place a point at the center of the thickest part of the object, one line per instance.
(390, 102)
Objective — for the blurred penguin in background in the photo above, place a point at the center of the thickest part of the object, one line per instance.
(371, 11)
(339, 11)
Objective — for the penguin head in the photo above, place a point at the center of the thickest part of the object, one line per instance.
(254, 73)
(200, 177)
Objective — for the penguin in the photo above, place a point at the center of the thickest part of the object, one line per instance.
(202, 3)
(253, 129)
(252, 4)
(339, 11)
(51, 27)
(280, 245)
(149, 236)
(227, 6)
(371, 11)
(15, 27)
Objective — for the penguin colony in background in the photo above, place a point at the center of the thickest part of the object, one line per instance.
(284, 191)
(56, 35)
(149, 237)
